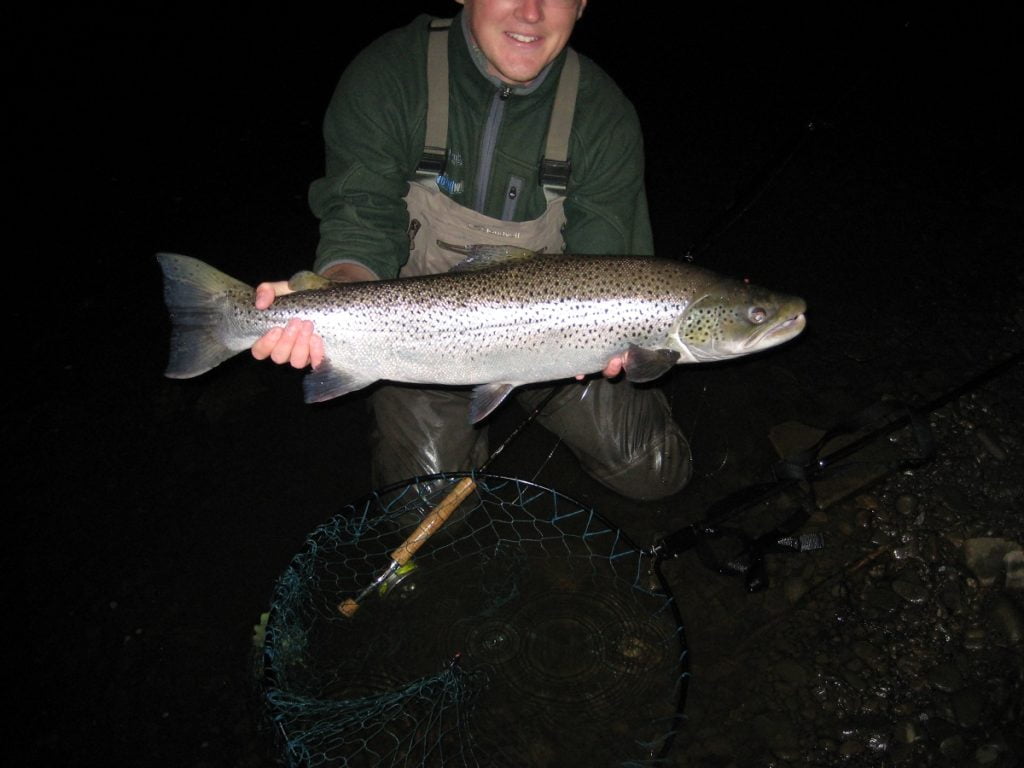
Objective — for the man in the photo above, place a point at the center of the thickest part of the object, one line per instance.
(389, 196)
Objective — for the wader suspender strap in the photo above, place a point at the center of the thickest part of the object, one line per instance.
(435, 149)
(554, 166)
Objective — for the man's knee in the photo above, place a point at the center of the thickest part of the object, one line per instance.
(661, 470)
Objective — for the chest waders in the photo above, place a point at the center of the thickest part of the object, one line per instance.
(623, 436)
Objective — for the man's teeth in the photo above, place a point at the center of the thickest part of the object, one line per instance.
(522, 38)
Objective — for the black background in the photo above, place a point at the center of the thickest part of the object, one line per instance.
(862, 159)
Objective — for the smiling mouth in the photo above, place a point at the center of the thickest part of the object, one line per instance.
(522, 38)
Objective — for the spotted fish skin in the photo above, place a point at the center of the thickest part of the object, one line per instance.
(515, 322)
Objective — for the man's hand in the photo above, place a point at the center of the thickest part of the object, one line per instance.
(295, 343)
(613, 369)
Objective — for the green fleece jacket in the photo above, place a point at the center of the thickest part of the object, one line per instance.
(374, 132)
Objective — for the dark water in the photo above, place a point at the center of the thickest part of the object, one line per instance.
(869, 163)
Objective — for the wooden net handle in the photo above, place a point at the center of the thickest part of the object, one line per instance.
(434, 520)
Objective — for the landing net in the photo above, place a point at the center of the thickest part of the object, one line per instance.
(528, 632)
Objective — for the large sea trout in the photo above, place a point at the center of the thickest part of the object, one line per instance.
(503, 318)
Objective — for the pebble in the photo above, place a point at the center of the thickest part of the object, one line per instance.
(912, 593)
(794, 588)
(850, 749)
(990, 444)
(1014, 565)
(906, 504)
(984, 557)
(884, 600)
(953, 747)
(967, 706)
(906, 731)
(871, 655)
(945, 677)
(790, 672)
(1007, 621)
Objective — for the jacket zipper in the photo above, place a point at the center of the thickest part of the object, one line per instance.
(488, 141)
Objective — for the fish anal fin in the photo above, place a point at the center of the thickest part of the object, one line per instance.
(326, 382)
(647, 364)
(487, 397)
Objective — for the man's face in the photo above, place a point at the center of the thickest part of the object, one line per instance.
(521, 37)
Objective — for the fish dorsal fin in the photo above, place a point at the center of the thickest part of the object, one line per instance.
(307, 281)
(485, 256)
(647, 364)
(487, 397)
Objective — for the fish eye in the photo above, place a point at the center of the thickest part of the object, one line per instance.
(757, 315)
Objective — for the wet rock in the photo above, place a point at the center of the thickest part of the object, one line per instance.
(975, 639)
(967, 706)
(912, 593)
(882, 600)
(945, 677)
(953, 747)
(1007, 621)
(1013, 562)
(870, 654)
(990, 444)
(952, 597)
(984, 556)
(794, 588)
(791, 673)
(855, 681)
(986, 754)
(907, 732)
(850, 749)
(907, 504)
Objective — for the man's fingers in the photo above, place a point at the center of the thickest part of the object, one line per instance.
(299, 357)
(316, 350)
(613, 369)
(282, 351)
(267, 292)
(265, 344)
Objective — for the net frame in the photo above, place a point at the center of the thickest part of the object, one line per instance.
(435, 710)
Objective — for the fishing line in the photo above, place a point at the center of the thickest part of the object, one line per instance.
(762, 181)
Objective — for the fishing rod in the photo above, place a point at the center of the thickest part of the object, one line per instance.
(806, 467)
(402, 555)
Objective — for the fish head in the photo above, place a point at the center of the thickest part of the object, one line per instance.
(735, 318)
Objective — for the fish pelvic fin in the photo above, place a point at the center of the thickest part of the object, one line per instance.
(487, 397)
(325, 382)
(486, 256)
(196, 295)
(647, 364)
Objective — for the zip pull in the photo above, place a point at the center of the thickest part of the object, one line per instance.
(505, 93)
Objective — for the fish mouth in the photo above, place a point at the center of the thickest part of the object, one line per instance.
(778, 333)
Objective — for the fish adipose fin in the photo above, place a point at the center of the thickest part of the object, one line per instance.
(486, 256)
(647, 364)
(195, 294)
(487, 397)
(326, 382)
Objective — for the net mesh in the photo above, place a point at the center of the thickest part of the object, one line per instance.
(527, 631)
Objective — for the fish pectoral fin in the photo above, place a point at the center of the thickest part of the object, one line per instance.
(307, 281)
(647, 364)
(326, 382)
(486, 256)
(487, 397)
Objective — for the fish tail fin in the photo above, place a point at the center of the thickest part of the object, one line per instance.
(197, 296)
